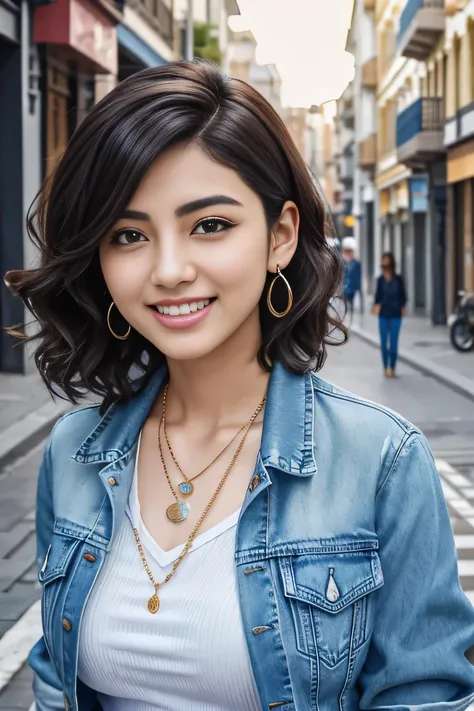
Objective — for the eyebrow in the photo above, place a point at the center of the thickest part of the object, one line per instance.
(205, 202)
(184, 210)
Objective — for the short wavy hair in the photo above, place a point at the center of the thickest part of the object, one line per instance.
(102, 167)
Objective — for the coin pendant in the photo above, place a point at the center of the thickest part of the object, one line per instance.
(153, 604)
(186, 488)
(177, 512)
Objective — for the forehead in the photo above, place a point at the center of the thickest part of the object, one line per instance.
(184, 173)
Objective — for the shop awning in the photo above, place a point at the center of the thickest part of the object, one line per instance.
(138, 48)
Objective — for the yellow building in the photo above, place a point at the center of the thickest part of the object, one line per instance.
(411, 166)
(459, 141)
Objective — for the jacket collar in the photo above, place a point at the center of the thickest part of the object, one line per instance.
(288, 427)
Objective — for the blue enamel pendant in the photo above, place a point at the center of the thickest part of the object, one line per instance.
(186, 488)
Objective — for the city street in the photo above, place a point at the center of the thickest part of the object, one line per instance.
(446, 417)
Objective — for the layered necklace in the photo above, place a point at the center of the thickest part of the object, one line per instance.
(178, 511)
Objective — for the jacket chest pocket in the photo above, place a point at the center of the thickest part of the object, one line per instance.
(51, 576)
(330, 600)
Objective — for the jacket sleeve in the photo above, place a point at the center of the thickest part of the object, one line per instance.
(47, 685)
(378, 291)
(403, 291)
(424, 624)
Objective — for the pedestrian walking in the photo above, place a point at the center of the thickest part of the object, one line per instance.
(352, 275)
(390, 307)
(223, 532)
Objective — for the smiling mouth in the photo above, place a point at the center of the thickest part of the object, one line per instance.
(182, 309)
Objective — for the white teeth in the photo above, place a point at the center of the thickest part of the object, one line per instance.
(184, 309)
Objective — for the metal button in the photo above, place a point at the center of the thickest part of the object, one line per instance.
(67, 625)
(89, 557)
(111, 481)
(254, 483)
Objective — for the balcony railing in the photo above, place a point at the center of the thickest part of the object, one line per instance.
(421, 24)
(161, 16)
(420, 131)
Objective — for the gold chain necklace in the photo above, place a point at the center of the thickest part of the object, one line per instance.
(179, 511)
(186, 487)
(154, 601)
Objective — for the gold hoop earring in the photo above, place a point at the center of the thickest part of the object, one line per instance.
(115, 335)
(279, 314)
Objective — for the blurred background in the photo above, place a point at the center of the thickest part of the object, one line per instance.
(378, 96)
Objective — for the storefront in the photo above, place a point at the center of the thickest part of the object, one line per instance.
(19, 135)
(79, 40)
(460, 219)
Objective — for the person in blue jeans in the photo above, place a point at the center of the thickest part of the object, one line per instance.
(352, 275)
(389, 306)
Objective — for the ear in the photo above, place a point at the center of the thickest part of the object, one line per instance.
(284, 237)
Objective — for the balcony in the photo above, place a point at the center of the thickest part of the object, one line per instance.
(421, 25)
(158, 15)
(369, 74)
(368, 153)
(420, 132)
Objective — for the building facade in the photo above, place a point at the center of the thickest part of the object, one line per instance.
(400, 175)
(459, 142)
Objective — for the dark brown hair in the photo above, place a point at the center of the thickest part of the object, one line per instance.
(391, 258)
(101, 169)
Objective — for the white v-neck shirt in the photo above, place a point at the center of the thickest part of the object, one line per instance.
(190, 656)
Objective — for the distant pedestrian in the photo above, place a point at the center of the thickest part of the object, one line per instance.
(389, 306)
(352, 275)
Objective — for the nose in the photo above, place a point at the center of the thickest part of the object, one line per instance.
(172, 264)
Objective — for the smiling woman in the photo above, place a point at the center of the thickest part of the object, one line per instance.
(224, 531)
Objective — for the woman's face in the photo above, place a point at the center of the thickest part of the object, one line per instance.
(186, 264)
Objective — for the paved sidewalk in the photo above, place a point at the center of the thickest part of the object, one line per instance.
(27, 413)
(426, 348)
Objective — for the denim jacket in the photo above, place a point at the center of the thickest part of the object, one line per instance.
(345, 560)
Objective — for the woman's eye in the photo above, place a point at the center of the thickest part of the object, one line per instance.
(211, 226)
(127, 237)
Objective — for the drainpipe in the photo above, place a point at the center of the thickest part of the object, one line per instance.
(190, 32)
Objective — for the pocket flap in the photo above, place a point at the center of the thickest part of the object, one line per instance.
(57, 558)
(331, 581)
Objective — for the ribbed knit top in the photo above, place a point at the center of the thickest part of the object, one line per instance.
(191, 655)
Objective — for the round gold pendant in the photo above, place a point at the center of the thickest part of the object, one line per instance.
(177, 512)
(153, 604)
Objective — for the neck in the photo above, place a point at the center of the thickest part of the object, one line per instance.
(222, 388)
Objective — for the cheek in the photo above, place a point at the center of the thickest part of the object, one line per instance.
(242, 263)
(123, 274)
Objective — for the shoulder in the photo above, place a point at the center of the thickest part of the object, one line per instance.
(70, 431)
(370, 435)
(353, 409)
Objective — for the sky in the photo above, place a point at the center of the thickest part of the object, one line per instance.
(306, 40)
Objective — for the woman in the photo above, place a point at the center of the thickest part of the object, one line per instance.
(389, 306)
(226, 531)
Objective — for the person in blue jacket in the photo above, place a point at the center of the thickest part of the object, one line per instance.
(223, 530)
(352, 274)
(389, 306)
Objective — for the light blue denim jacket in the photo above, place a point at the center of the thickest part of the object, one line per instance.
(345, 560)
